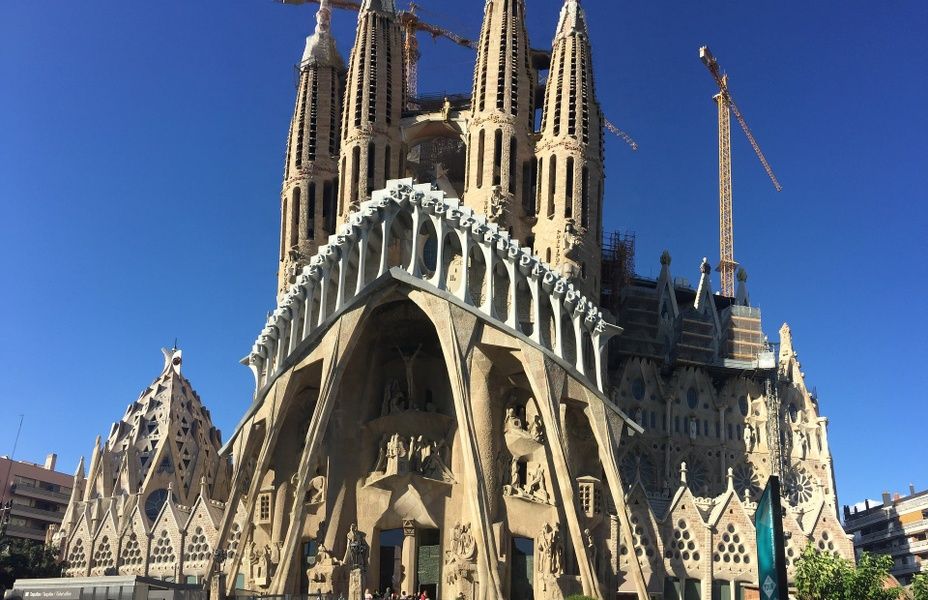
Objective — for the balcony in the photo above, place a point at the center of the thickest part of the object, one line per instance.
(31, 491)
(51, 516)
(907, 529)
(30, 533)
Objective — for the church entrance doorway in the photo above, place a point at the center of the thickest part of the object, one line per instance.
(391, 565)
(428, 562)
(523, 569)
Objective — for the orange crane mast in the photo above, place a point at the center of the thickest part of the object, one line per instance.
(726, 106)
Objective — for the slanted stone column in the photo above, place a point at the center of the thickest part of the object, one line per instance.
(408, 557)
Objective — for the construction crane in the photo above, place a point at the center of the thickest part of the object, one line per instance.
(726, 106)
(412, 24)
(619, 133)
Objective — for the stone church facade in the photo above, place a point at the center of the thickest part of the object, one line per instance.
(441, 401)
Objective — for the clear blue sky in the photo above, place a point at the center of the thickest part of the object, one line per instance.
(141, 155)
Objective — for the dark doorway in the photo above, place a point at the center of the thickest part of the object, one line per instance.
(523, 569)
(391, 548)
(428, 562)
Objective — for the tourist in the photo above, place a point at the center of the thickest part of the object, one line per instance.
(367, 595)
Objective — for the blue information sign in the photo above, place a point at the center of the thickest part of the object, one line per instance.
(771, 559)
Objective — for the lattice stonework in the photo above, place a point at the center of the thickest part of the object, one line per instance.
(825, 543)
(644, 545)
(77, 557)
(683, 546)
(198, 548)
(162, 553)
(103, 553)
(235, 536)
(591, 498)
(731, 550)
(131, 552)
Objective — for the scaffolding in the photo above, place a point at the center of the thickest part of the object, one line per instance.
(618, 266)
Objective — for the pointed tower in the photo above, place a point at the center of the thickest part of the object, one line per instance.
(570, 158)
(372, 145)
(500, 161)
(310, 184)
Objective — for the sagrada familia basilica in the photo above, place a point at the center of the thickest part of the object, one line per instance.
(442, 403)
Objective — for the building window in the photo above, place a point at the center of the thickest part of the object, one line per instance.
(481, 143)
(552, 181)
(497, 156)
(264, 508)
(692, 398)
(311, 212)
(591, 497)
(569, 189)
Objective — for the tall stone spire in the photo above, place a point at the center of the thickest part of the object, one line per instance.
(570, 158)
(311, 172)
(500, 160)
(372, 145)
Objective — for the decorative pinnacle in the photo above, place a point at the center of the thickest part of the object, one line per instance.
(683, 473)
(324, 17)
(665, 258)
(731, 479)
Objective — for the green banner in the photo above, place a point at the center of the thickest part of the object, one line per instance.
(771, 558)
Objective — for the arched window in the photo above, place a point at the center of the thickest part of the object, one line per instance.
(387, 167)
(552, 181)
(355, 176)
(497, 156)
(371, 166)
(295, 218)
(481, 142)
(584, 198)
(513, 162)
(311, 212)
(569, 189)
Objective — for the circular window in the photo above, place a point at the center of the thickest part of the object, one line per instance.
(638, 389)
(743, 405)
(692, 398)
(154, 502)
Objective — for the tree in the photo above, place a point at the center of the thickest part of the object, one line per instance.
(827, 576)
(920, 587)
(26, 559)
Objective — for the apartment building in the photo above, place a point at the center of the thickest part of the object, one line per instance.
(38, 496)
(897, 526)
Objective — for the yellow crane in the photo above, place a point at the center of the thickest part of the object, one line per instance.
(726, 106)
(412, 24)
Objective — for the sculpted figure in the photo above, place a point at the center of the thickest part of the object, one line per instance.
(537, 429)
(694, 428)
(512, 420)
(536, 483)
(748, 438)
(514, 475)
(802, 443)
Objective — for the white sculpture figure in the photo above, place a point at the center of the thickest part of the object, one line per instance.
(748, 438)
(638, 416)
(536, 429)
(514, 482)
(393, 398)
(802, 443)
(316, 489)
(381, 464)
(590, 547)
(536, 484)
(693, 428)
(551, 550)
